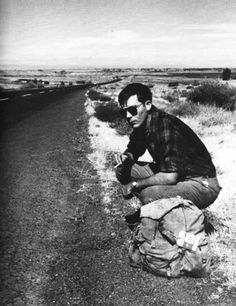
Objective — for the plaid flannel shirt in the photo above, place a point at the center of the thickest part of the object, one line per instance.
(173, 146)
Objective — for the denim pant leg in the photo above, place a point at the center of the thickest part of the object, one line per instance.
(132, 172)
(142, 170)
(193, 190)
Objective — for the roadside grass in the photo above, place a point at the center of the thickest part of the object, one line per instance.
(182, 109)
(106, 110)
(203, 119)
(216, 127)
(170, 96)
(110, 112)
(98, 96)
(214, 93)
(214, 116)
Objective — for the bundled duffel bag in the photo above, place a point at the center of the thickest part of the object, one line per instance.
(171, 239)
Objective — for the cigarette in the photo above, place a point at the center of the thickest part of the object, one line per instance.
(117, 165)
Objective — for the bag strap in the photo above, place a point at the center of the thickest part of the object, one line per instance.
(169, 236)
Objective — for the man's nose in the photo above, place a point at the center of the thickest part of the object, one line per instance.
(128, 115)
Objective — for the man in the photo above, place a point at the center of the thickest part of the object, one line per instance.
(181, 165)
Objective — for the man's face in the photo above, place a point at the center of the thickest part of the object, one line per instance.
(137, 113)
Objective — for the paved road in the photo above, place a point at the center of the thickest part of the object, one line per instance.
(46, 259)
(37, 157)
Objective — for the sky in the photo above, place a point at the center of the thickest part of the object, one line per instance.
(118, 33)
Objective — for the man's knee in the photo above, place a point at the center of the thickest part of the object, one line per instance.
(154, 193)
(193, 191)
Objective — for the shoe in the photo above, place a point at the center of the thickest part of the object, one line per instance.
(133, 218)
(128, 197)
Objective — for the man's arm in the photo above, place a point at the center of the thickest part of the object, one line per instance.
(160, 178)
(136, 146)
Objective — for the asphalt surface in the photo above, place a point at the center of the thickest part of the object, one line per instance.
(58, 246)
(37, 160)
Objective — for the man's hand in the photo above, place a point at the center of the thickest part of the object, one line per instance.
(120, 158)
(127, 190)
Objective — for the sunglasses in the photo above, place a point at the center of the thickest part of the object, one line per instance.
(133, 110)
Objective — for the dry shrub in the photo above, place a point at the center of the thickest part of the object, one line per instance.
(171, 97)
(214, 93)
(107, 112)
(110, 112)
(98, 96)
(183, 109)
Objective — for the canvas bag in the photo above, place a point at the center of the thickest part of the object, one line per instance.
(171, 239)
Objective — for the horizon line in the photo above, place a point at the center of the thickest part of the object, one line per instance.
(36, 66)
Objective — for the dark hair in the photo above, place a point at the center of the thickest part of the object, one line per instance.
(142, 91)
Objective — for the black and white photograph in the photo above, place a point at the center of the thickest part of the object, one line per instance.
(118, 152)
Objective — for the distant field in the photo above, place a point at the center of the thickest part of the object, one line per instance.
(38, 78)
(25, 78)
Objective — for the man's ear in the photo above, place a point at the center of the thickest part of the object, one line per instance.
(148, 105)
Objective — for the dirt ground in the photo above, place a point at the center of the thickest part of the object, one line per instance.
(62, 242)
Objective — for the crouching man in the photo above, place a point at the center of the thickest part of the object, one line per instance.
(181, 165)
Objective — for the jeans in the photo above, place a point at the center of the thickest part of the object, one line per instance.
(201, 191)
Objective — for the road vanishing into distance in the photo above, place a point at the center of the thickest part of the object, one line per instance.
(48, 257)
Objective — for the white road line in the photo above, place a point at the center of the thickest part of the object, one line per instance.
(25, 95)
